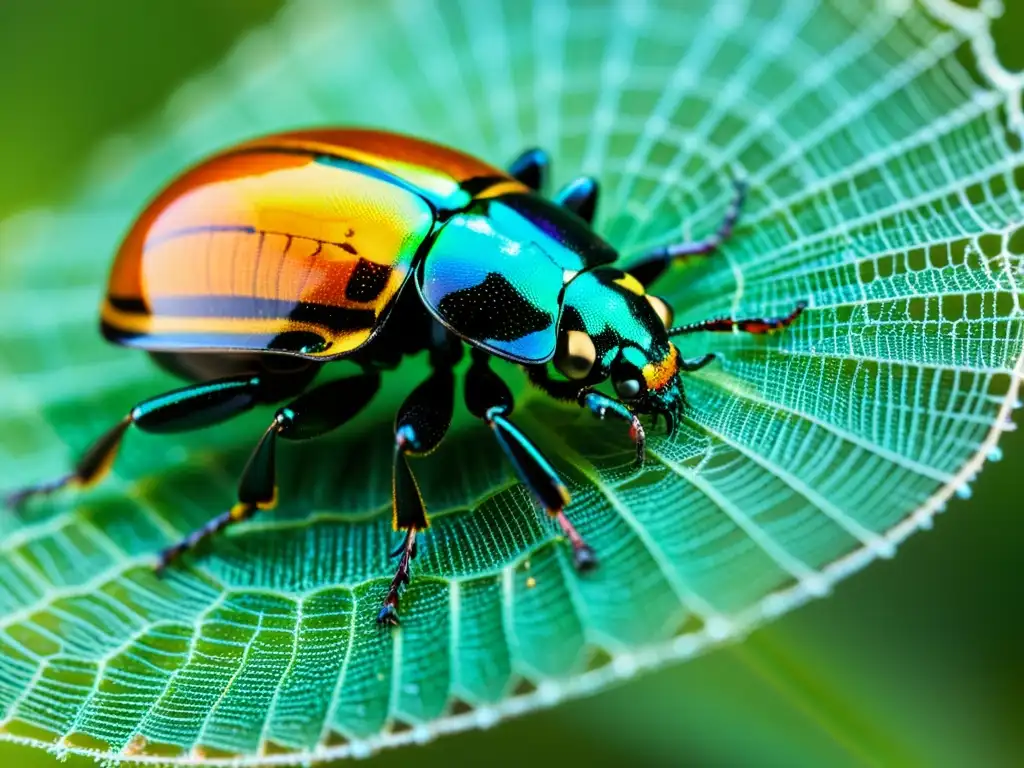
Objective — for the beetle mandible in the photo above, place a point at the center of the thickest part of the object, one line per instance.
(261, 264)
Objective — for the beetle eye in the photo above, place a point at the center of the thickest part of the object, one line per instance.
(628, 380)
(576, 356)
(627, 389)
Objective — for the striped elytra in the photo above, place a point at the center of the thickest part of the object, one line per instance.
(295, 243)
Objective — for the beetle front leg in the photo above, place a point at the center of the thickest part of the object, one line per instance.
(489, 398)
(600, 405)
(420, 425)
(604, 407)
(314, 413)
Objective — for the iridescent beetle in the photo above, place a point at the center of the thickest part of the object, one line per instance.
(261, 264)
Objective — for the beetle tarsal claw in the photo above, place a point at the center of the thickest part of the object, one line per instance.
(636, 431)
(583, 556)
(388, 614)
(389, 610)
(401, 548)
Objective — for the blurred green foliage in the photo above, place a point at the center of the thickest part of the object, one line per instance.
(916, 661)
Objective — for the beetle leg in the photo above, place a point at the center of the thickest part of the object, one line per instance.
(689, 366)
(757, 325)
(580, 196)
(598, 404)
(603, 407)
(180, 410)
(651, 266)
(565, 391)
(312, 414)
(531, 168)
(489, 398)
(420, 425)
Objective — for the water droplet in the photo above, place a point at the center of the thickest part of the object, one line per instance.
(995, 453)
(486, 717)
(548, 693)
(360, 750)
(773, 605)
(925, 523)
(685, 646)
(421, 734)
(964, 491)
(719, 628)
(59, 751)
(816, 586)
(883, 548)
(624, 666)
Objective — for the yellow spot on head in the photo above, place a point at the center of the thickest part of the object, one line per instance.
(657, 375)
(631, 284)
(661, 309)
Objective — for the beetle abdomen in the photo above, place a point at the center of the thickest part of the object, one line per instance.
(267, 249)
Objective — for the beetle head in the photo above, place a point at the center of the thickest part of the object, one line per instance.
(613, 330)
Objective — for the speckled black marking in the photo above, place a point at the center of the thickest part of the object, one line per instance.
(493, 310)
(368, 281)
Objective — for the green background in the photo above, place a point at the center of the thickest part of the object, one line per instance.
(915, 661)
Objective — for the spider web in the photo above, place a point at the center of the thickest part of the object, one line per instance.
(882, 146)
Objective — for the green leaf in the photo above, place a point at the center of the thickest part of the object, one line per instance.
(882, 143)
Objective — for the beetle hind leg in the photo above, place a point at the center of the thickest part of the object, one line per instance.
(388, 615)
(181, 410)
(420, 425)
(90, 469)
(316, 412)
